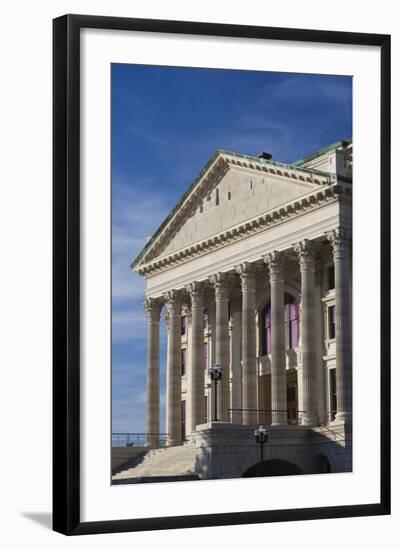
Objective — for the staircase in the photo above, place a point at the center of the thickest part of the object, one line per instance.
(170, 463)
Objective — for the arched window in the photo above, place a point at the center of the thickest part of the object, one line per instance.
(291, 324)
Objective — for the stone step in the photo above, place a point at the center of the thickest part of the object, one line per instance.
(170, 461)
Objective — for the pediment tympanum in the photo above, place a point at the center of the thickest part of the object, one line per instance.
(230, 190)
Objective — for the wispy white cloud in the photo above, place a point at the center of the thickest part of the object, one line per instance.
(295, 89)
(129, 324)
(136, 215)
(129, 415)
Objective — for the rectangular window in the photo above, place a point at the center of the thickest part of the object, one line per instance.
(332, 393)
(183, 357)
(291, 394)
(331, 277)
(331, 322)
(206, 355)
(183, 325)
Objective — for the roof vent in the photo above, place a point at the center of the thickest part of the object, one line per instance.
(264, 155)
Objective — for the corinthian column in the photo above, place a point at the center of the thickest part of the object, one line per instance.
(275, 262)
(339, 240)
(306, 254)
(153, 308)
(220, 283)
(174, 386)
(249, 361)
(196, 387)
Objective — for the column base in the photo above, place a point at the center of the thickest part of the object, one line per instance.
(279, 419)
(309, 419)
(342, 418)
(174, 443)
(152, 443)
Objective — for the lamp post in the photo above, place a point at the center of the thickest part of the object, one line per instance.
(261, 438)
(215, 373)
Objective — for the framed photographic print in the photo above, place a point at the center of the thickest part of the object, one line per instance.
(221, 274)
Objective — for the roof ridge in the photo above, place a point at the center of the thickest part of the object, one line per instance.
(278, 163)
(336, 145)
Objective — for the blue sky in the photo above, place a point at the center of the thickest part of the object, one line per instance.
(166, 123)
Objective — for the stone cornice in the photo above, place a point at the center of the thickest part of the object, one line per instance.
(212, 173)
(292, 209)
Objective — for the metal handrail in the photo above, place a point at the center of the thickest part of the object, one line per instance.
(136, 439)
(324, 417)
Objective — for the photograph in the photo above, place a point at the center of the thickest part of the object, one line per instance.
(231, 273)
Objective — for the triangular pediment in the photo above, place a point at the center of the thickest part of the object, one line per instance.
(230, 190)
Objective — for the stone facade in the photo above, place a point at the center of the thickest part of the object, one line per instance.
(253, 267)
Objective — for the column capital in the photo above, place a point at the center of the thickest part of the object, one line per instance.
(247, 273)
(220, 282)
(187, 312)
(173, 300)
(196, 292)
(340, 241)
(276, 263)
(153, 307)
(306, 254)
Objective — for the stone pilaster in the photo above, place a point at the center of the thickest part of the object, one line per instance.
(153, 308)
(236, 364)
(249, 361)
(339, 239)
(306, 253)
(220, 281)
(196, 378)
(174, 366)
(275, 262)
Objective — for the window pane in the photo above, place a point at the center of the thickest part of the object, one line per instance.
(331, 322)
(331, 277)
(183, 325)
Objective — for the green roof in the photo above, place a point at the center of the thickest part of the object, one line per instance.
(195, 181)
(336, 145)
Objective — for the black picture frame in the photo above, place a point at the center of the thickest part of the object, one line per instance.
(66, 272)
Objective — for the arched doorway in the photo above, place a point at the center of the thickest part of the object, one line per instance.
(273, 467)
(321, 464)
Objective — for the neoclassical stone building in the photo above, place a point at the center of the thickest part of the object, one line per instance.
(253, 266)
